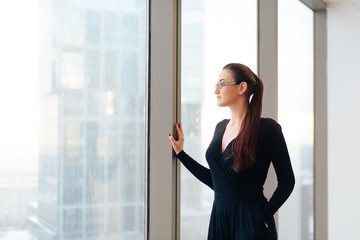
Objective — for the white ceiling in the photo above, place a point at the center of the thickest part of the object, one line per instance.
(321, 4)
(329, 1)
(354, 3)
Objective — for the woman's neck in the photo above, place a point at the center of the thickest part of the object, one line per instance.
(238, 113)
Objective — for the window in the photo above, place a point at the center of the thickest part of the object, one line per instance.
(74, 171)
(72, 134)
(296, 114)
(213, 34)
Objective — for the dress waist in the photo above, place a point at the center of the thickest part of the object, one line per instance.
(227, 197)
(241, 197)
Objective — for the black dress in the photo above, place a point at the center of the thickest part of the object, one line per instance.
(240, 207)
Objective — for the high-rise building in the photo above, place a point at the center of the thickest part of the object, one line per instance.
(92, 114)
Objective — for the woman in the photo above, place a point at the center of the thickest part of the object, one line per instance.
(239, 156)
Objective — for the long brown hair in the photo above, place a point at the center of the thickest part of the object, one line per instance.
(244, 145)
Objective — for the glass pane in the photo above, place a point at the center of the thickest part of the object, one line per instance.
(212, 35)
(296, 114)
(73, 148)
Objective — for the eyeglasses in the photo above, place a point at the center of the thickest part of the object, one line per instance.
(223, 84)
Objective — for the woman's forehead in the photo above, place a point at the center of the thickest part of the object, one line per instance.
(225, 75)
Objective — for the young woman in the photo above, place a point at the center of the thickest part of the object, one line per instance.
(239, 156)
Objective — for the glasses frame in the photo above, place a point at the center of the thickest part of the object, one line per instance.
(223, 84)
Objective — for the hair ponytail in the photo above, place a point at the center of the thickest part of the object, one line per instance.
(244, 145)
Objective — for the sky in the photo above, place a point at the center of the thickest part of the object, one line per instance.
(18, 84)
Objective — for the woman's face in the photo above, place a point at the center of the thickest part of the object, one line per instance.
(227, 94)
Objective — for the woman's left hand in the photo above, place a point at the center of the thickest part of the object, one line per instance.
(179, 144)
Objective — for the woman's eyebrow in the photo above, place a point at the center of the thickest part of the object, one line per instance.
(221, 80)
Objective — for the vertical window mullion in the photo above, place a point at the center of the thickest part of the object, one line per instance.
(320, 127)
(162, 114)
(267, 69)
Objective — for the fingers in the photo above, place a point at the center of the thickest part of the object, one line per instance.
(179, 131)
(177, 127)
(172, 140)
(177, 145)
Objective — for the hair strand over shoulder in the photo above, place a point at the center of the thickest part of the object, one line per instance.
(244, 145)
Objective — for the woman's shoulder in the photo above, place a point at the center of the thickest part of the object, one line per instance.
(268, 121)
(221, 123)
(269, 125)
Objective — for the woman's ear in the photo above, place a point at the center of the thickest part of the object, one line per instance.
(242, 88)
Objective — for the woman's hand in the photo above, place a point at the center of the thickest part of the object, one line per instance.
(179, 144)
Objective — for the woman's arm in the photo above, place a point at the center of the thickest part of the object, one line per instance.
(200, 172)
(279, 156)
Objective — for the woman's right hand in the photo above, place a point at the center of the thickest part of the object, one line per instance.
(179, 144)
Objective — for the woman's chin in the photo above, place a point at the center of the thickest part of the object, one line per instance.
(220, 104)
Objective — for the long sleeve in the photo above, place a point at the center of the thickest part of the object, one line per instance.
(279, 156)
(199, 171)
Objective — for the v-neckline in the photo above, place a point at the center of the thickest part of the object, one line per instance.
(222, 137)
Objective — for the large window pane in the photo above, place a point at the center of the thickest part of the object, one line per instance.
(296, 81)
(214, 33)
(73, 136)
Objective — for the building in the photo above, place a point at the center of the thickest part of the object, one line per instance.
(91, 182)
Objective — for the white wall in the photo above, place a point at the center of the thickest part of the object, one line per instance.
(343, 120)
